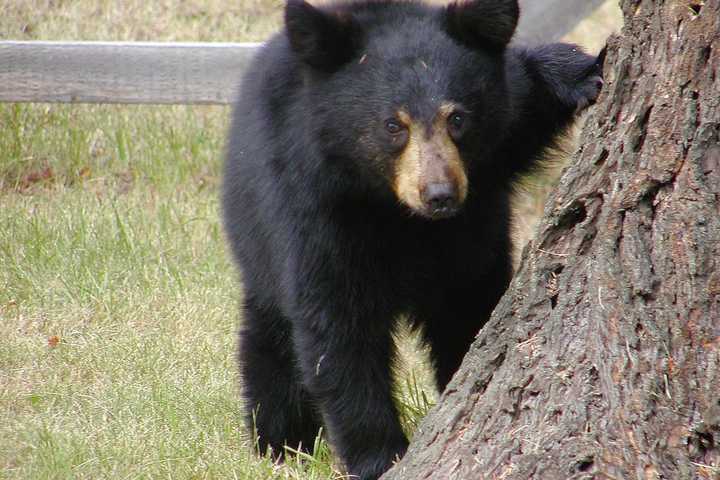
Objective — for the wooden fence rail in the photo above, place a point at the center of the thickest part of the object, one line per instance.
(122, 72)
(184, 73)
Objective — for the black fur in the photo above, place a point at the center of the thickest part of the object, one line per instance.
(488, 24)
(329, 257)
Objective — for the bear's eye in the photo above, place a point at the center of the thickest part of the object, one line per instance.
(456, 120)
(393, 126)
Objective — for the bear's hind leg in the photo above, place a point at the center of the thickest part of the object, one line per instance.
(276, 404)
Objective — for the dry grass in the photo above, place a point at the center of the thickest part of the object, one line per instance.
(140, 20)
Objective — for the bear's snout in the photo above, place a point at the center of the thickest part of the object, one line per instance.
(441, 199)
(430, 175)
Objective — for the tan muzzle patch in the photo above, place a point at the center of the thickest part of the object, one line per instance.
(428, 161)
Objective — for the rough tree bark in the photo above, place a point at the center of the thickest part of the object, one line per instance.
(603, 358)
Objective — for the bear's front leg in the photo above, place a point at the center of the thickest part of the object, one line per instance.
(565, 77)
(551, 85)
(345, 362)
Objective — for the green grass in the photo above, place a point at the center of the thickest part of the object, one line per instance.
(116, 253)
(118, 300)
(110, 244)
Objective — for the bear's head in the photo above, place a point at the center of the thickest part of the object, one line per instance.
(407, 98)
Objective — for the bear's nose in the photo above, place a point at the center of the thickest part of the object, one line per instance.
(440, 199)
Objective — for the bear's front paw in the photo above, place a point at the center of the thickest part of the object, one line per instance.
(370, 465)
(587, 90)
(572, 77)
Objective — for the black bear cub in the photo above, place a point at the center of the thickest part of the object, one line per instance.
(368, 174)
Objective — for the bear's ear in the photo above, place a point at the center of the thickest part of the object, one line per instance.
(323, 40)
(483, 24)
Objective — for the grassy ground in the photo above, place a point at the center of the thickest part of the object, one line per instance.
(117, 298)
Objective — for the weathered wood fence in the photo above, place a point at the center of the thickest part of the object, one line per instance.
(185, 73)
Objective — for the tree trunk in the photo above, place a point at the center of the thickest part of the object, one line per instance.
(603, 358)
